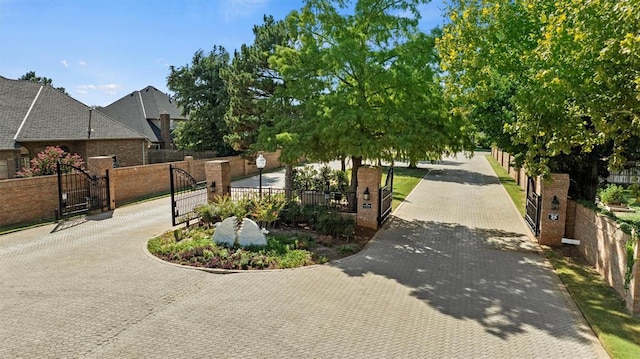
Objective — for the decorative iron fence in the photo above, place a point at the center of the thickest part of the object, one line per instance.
(79, 192)
(386, 197)
(186, 195)
(532, 215)
(338, 201)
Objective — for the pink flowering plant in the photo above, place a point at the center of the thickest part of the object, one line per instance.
(44, 163)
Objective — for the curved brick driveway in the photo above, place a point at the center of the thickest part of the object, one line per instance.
(452, 275)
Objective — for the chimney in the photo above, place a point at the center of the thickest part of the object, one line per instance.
(165, 130)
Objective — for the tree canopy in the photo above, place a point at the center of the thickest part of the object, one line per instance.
(549, 81)
(31, 76)
(251, 84)
(200, 91)
(361, 81)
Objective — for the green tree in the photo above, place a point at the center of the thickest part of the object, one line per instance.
(201, 92)
(552, 82)
(31, 76)
(251, 82)
(360, 82)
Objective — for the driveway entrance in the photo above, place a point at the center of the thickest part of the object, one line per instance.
(452, 274)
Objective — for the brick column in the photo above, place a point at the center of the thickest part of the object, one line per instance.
(368, 178)
(552, 220)
(218, 172)
(191, 164)
(99, 166)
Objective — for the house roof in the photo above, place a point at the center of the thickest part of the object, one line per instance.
(32, 111)
(137, 109)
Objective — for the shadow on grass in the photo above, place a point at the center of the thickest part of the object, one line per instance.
(493, 277)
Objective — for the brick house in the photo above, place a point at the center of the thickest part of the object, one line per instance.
(150, 112)
(34, 115)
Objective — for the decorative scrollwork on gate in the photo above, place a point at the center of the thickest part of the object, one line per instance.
(186, 195)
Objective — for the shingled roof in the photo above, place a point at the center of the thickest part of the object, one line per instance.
(32, 111)
(136, 109)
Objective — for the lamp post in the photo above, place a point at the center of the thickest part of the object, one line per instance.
(261, 162)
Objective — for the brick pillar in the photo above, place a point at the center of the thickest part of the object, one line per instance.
(165, 130)
(218, 172)
(552, 220)
(368, 178)
(191, 164)
(99, 166)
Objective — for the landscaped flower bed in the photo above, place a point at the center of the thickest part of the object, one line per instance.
(286, 248)
(299, 236)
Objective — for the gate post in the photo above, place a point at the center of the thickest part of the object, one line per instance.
(218, 175)
(367, 210)
(98, 167)
(553, 212)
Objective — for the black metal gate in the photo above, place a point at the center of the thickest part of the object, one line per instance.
(186, 195)
(79, 192)
(532, 215)
(386, 197)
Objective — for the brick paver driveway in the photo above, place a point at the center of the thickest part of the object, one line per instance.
(452, 275)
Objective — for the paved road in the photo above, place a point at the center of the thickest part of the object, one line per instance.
(453, 275)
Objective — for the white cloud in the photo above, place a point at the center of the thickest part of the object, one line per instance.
(81, 63)
(65, 63)
(242, 8)
(109, 89)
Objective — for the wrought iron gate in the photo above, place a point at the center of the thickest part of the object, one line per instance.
(532, 215)
(186, 195)
(386, 197)
(79, 192)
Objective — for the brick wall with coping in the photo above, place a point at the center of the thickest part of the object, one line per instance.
(603, 245)
(27, 200)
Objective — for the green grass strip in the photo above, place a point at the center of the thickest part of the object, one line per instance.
(404, 180)
(515, 192)
(618, 331)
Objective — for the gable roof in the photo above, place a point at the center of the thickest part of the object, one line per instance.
(136, 109)
(31, 111)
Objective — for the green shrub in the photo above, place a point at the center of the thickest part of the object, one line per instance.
(612, 194)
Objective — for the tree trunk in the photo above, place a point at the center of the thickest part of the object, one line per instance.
(288, 180)
(413, 164)
(343, 164)
(356, 163)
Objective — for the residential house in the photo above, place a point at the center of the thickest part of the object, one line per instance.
(148, 111)
(34, 115)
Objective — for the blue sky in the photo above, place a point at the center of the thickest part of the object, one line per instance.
(101, 50)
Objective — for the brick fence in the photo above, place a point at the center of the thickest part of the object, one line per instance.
(28, 200)
(602, 242)
(603, 245)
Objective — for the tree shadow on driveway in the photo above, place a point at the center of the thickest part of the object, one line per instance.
(494, 277)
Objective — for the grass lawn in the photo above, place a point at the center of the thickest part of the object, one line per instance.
(605, 311)
(404, 180)
(515, 192)
(633, 203)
